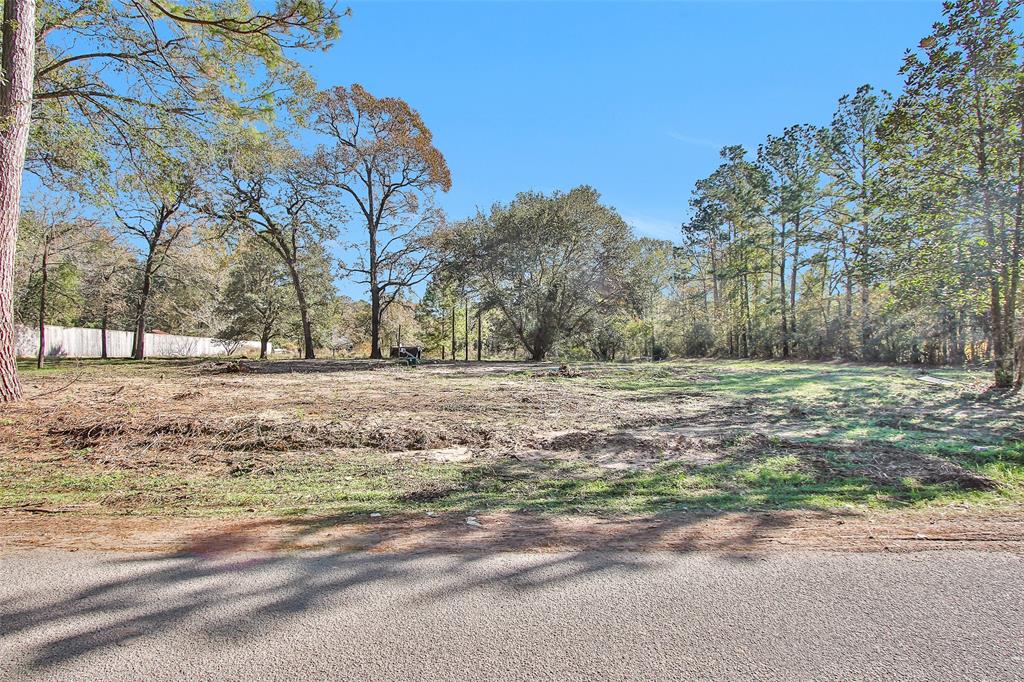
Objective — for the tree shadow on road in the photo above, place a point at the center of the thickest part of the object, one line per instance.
(226, 584)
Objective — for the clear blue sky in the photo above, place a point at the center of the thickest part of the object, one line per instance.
(632, 98)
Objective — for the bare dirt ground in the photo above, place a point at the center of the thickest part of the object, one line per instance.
(518, 532)
(208, 456)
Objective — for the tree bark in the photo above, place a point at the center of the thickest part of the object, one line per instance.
(139, 347)
(17, 62)
(103, 335)
(375, 311)
(375, 351)
(307, 328)
(1018, 381)
(44, 280)
(1016, 254)
(784, 304)
(793, 278)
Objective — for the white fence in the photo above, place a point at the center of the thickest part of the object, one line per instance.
(79, 342)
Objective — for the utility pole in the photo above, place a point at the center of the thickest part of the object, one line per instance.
(479, 336)
(467, 330)
(453, 333)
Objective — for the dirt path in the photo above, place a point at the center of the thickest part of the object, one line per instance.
(520, 532)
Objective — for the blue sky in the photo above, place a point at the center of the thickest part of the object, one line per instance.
(632, 98)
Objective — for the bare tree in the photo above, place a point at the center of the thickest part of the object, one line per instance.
(384, 163)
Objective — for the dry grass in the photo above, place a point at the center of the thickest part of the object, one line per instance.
(305, 437)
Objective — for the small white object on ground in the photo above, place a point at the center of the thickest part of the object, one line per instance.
(936, 381)
(374, 515)
(471, 521)
(457, 454)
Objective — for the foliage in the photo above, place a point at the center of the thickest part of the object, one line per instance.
(111, 72)
(257, 302)
(262, 191)
(894, 234)
(545, 263)
(383, 162)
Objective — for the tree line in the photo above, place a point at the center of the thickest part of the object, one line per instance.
(894, 233)
(189, 134)
(192, 176)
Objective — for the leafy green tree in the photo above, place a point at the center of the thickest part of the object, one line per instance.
(103, 71)
(434, 314)
(729, 242)
(855, 189)
(955, 142)
(153, 210)
(108, 267)
(52, 293)
(258, 301)
(791, 163)
(545, 263)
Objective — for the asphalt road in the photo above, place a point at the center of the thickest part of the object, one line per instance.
(786, 616)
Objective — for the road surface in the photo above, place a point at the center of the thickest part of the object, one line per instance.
(617, 616)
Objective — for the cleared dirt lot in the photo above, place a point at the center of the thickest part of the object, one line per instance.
(686, 443)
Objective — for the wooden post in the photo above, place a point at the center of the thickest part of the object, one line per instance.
(466, 335)
(479, 336)
(453, 333)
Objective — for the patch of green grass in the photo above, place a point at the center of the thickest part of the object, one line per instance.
(769, 482)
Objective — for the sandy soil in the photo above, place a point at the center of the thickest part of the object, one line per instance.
(733, 532)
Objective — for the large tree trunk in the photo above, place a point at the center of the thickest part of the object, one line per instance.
(139, 347)
(307, 327)
(375, 315)
(44, 280)
(1013, 290)
(18, 65)
(1019, 380)
(308, 352)
(375, 311)
(747, 325)
(1002, 357)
